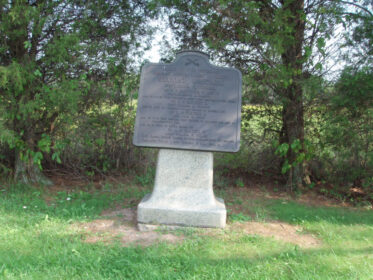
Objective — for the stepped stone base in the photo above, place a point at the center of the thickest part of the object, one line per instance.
(183, 193)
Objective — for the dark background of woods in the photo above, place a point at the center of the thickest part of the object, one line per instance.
(69, 81)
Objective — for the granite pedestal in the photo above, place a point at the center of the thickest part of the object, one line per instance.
(183, 193)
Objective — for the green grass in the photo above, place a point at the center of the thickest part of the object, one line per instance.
(38, 242)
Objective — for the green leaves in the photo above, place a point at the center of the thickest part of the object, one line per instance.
(296, 148)
(320, 43)
(307, 52)
(318, 66)
(37, 157)
(354, 90)
(44, 144)
(27, 44)
(37, 73)
(285, 167)
(56, 157)
(58, 59)
(282, 149)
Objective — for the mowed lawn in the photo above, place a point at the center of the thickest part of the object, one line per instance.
(39, 239)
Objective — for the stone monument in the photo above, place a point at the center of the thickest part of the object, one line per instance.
(188, 108)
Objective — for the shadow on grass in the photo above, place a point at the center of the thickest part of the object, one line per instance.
(67, 205)
(78, 205)
(293, 212)
(192, 260)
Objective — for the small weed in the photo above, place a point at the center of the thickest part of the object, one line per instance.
(240, 183)
(240, 217)
(221, 182)
(220, 192)
(147, 178)
(261, 214)
(238, 201)
(107, 187)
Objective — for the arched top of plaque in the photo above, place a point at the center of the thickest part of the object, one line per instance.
(191, 59)
(192, 52)
(189, 104)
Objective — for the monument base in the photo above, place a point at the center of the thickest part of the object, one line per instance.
(183, 193)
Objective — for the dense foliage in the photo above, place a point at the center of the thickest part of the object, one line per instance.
(57, 60)
(286, 49)
(281, 47)
(68, 89)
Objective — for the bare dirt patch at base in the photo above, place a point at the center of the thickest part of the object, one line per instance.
(120, 225)
(279, 231)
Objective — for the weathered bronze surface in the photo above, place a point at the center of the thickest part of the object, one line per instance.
(189, 104)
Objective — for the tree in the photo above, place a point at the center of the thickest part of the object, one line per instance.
(348, 124)
(56, 58)
(359, 36)
(279, 45)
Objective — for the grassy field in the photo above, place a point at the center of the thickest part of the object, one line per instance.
(38, 239)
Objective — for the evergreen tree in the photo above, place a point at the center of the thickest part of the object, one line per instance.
(280, 45)
(52, 56)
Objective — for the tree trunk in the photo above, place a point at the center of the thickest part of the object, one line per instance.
(27, 172)
(292, 95)
(293, 124)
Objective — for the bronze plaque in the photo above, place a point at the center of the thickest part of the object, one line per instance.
(189, 104)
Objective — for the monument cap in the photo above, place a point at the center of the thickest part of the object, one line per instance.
(182, 52)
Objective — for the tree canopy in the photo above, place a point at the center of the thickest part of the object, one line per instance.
(280, 46)
(52, 56)
(66, 73)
